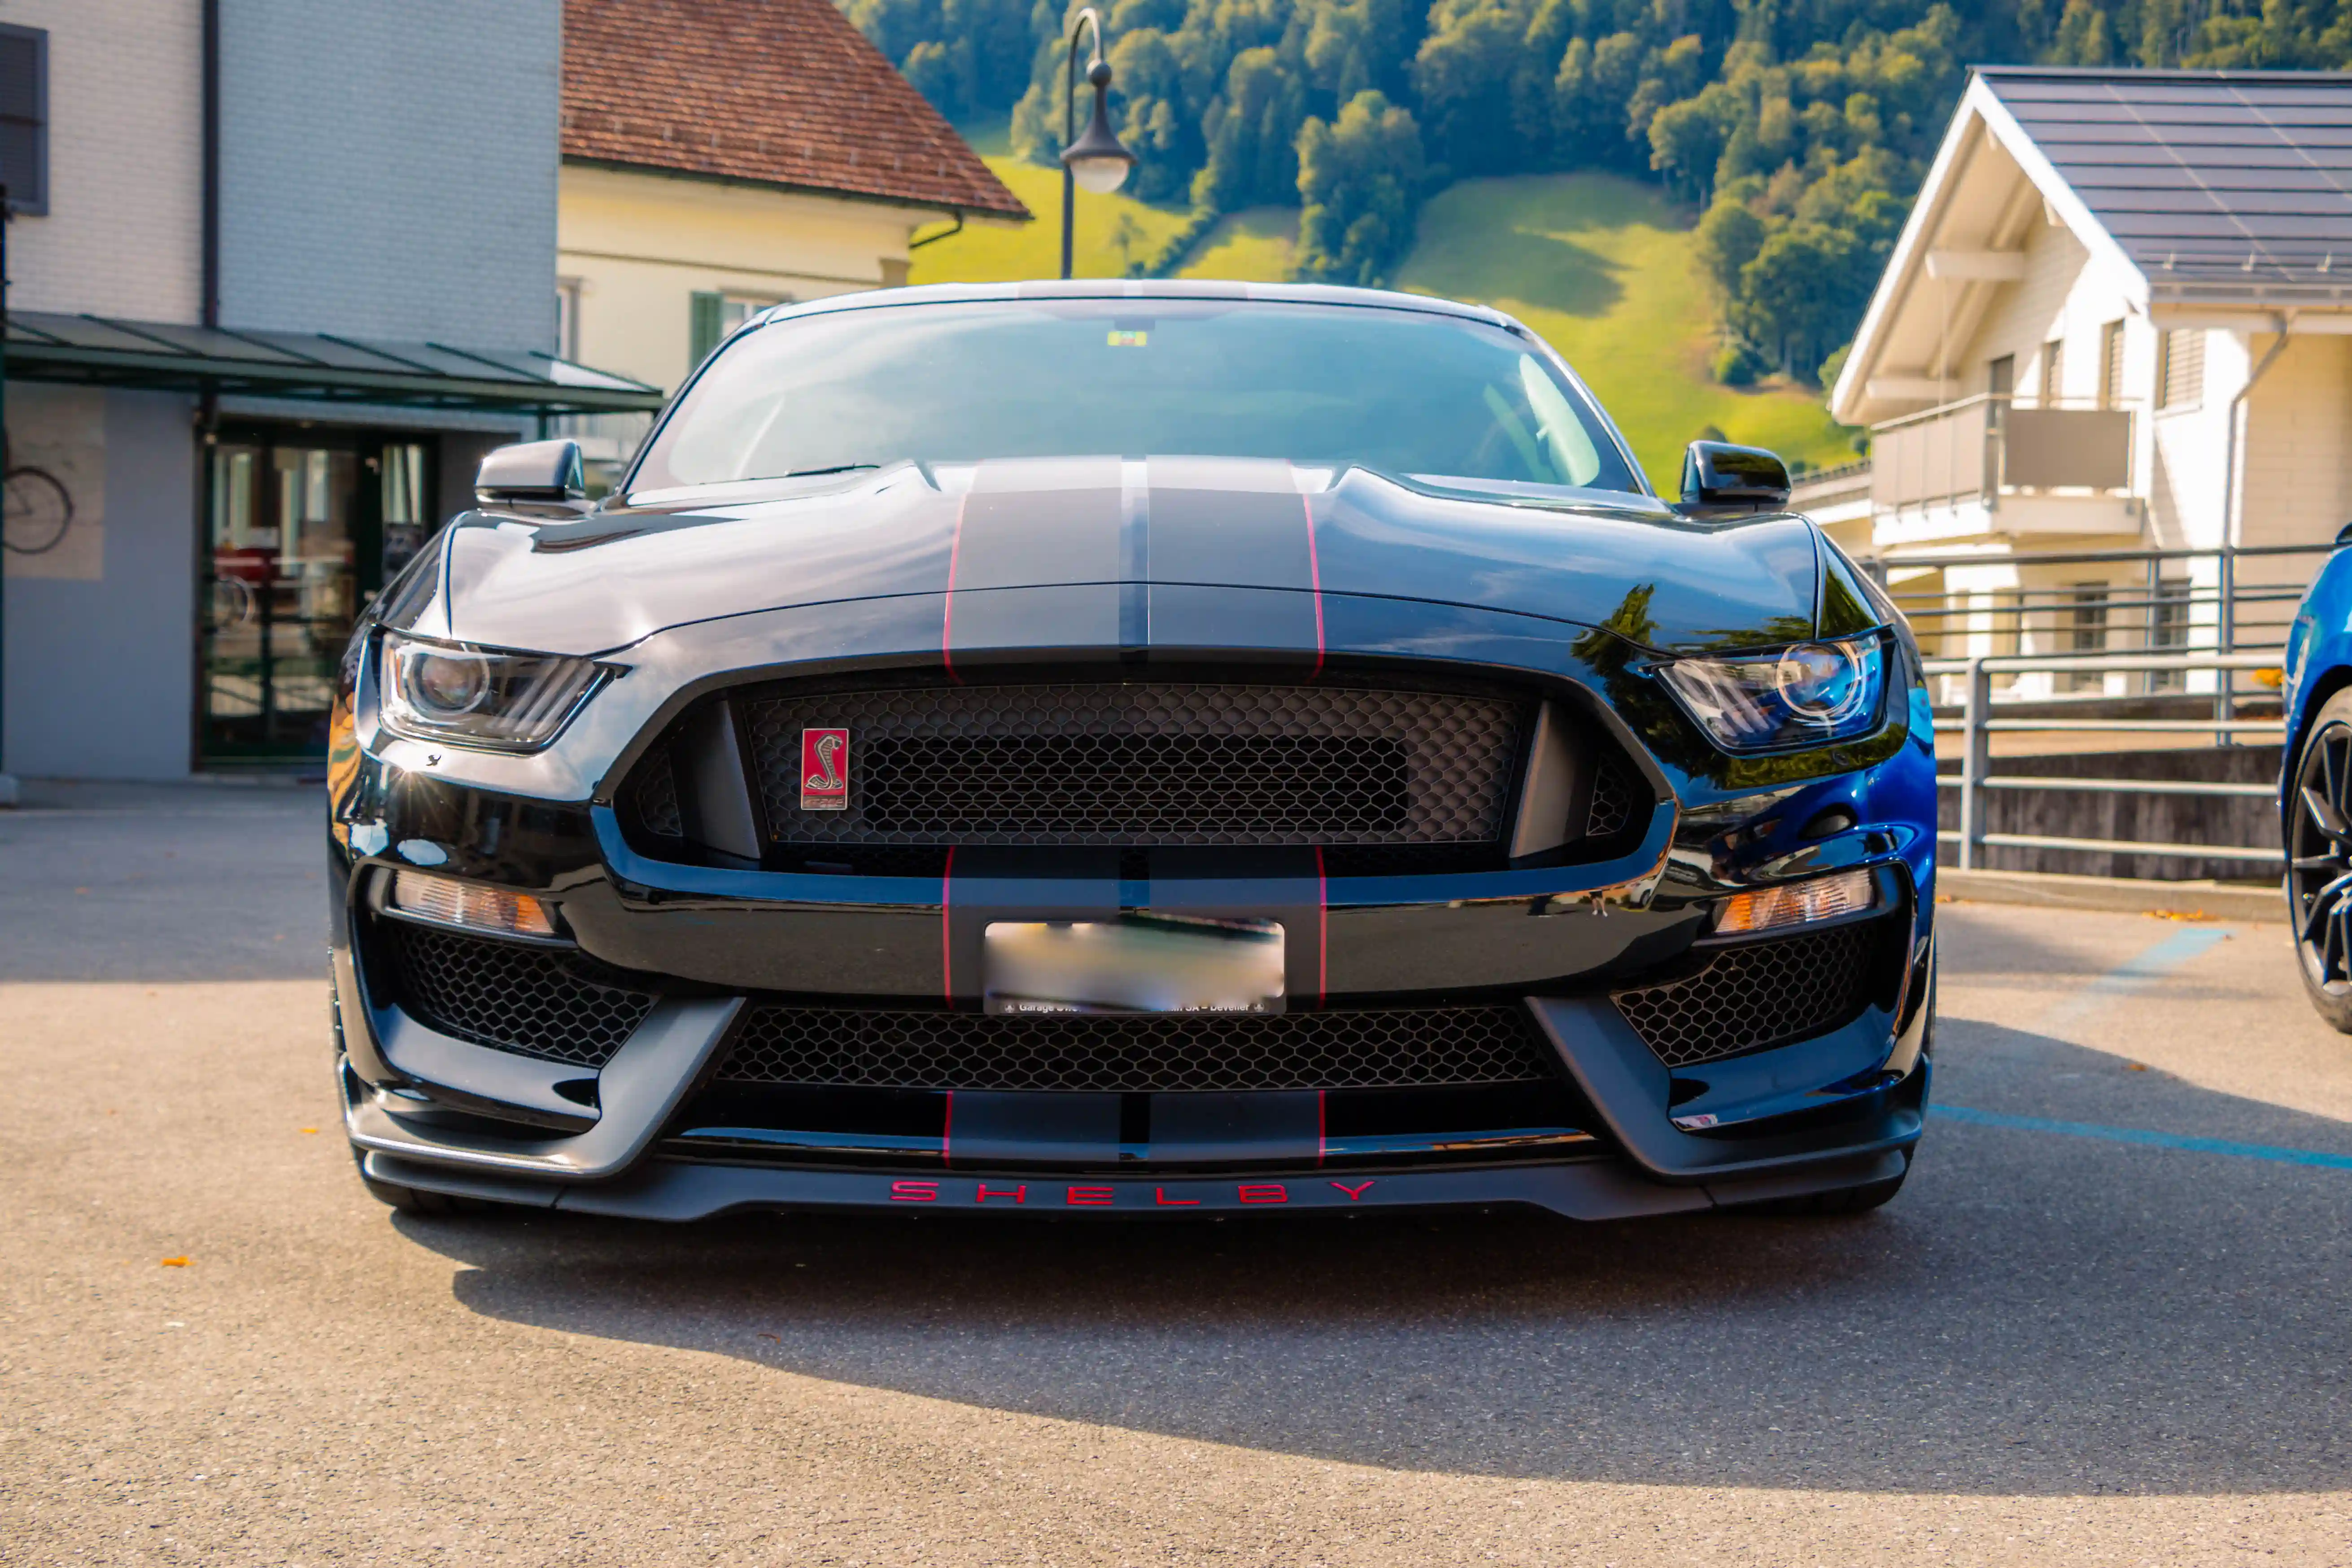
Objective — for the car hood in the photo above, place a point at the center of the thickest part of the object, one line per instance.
(597, 584)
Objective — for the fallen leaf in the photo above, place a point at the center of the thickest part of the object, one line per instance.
(777, 1338)
(177, 1262)
(309, 1130)
(81, 890)
(2135, 1067)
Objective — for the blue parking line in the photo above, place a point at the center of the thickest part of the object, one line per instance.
(2136, 974)
(2142, 1136)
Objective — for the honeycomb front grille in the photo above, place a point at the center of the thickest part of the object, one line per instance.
(1146, 764)
(533, 1001)
(1611, 811)
(1763, 994)
(1385, 1048)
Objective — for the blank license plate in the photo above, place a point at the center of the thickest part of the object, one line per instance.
(1136, 964)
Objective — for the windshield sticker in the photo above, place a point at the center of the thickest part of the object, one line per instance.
(1120, 339)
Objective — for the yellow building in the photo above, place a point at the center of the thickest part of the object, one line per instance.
(720, 156)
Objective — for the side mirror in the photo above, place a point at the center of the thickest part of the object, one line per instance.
(541, 471)
(1724, 480)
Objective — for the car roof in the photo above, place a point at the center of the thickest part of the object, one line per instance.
(1138, 289)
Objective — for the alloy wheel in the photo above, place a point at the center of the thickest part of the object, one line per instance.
(2319, 867)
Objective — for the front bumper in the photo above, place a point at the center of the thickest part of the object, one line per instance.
(1617, 1132)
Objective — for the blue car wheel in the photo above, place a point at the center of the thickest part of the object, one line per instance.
(2319, 861)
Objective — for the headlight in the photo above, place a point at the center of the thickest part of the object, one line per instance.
(1797, 695)
(488, 697)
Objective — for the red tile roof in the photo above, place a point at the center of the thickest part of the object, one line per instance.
(786, 92)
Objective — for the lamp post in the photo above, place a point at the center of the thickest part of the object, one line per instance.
(1096, 160)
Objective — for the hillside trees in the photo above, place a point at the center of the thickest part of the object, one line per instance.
(1360, 179)
(1799, 129)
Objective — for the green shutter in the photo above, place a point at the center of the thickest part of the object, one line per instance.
(705, 325)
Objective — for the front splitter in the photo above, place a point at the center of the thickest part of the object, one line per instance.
(1585, 1190)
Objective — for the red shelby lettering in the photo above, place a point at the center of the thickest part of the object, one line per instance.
(1356, 1193)
(914, 1192)
(1162, 1194)
(1091, 1196)
(1019, 1195)
(1263, 1193)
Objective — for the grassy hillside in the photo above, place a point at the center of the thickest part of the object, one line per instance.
(1110, 230)
(1253, 245)
(1600, 266)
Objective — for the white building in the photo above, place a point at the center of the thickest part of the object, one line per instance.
(2116, 321)
(722, 157)
(277, 275)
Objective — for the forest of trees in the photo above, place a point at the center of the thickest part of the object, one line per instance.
(1799, 129)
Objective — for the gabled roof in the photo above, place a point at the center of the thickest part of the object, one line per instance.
(778, 92)
(2225, 192)
(2231, 179)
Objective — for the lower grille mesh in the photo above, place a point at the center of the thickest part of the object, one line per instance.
(1764, 994)
(533, 1001)
(1385, 1048)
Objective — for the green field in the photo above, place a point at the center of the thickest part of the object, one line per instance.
(1110, 230)
(1601, 266)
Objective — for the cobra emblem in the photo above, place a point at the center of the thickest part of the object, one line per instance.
(828, 776)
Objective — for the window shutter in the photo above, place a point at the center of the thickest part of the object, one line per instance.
(2183, 385)
(2111, 364)
(707, 324)
(25, 117)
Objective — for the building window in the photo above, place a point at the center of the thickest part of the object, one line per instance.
(2086, 632)
(2168, 630)
(2054, 369)
(567, 318)
(25, 118)
(2181, 378)
(2111, 364)
(713, 315)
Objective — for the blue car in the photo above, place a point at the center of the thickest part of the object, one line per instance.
(2316, 786)
(1133, 748)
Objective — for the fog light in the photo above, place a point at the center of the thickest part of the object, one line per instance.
(456, 903)
(1820, 899)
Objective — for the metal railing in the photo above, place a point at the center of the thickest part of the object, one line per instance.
(2227, 599)
(2171, 602)
(1979, 722)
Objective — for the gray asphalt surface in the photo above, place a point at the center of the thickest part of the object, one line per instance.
(2055, 1346)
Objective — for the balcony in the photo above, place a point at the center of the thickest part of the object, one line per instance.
(1993, 464)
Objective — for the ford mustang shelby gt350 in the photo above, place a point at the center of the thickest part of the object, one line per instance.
(1132, 748)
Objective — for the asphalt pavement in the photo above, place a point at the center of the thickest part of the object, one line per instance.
(2108, 1321)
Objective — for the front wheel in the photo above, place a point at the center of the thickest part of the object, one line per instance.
(2319, 862)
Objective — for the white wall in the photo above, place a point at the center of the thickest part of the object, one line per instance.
(124, 232)
(100, 670)
(389, 170)
(642, 245)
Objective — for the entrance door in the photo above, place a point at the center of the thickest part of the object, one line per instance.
(305, 528)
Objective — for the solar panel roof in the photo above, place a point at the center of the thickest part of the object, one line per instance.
(2213, 182)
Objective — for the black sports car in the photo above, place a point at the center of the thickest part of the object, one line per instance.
(1133, 747)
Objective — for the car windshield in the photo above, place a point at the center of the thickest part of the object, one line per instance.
(1407, 391)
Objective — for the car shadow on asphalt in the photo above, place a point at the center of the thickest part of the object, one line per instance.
(2035, 1314)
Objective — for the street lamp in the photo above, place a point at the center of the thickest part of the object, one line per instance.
(1096, 160)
